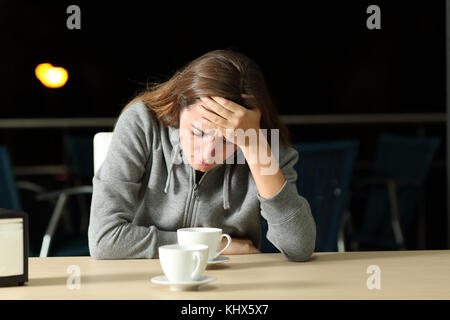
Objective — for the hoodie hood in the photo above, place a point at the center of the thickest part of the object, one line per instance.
(177, 157)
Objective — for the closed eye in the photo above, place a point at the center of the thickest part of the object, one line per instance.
(198, 134)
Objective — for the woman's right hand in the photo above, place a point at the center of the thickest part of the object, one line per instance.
(238, 246)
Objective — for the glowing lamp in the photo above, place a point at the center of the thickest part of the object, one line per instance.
(50, 76)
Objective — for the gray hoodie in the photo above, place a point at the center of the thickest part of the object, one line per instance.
(144, 192)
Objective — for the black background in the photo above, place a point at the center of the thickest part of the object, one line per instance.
(318, 57)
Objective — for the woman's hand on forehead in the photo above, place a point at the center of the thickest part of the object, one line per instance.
(227, 117)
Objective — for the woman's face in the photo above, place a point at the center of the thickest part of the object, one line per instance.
(203, 147)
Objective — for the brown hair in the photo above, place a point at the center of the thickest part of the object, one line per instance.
(225, 73)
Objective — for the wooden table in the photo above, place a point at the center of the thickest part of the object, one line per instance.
(331, 275)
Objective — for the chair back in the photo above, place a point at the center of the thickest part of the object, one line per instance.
(400, 158)
(9, 195)
(324, 172)
(102, 141)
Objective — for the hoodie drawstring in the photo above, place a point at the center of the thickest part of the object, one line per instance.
(175, 153)
(226, 184)
(226, 178)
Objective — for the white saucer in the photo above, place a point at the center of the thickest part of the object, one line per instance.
(219, 259)
(182, 286)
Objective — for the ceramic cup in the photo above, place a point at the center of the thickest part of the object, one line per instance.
(183, 263)
(212, 237)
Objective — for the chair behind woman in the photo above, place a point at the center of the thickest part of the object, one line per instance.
(9, 195)
(324, 173)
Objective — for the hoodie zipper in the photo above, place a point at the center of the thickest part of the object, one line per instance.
(194, 197)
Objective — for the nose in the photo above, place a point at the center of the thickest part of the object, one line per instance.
(210, 150)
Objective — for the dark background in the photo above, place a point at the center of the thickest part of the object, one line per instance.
(318, 58)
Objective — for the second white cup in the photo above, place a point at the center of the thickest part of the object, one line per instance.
(212, 237)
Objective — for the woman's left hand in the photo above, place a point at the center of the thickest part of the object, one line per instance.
(238, 246)
(227, 117)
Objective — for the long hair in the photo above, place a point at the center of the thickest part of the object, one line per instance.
(225, 73)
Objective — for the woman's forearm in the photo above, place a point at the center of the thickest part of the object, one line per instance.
(265, 169)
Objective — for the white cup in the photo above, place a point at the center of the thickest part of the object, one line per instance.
(212, 237)
(183, 263)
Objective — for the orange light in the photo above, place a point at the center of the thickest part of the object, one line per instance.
(50, 76)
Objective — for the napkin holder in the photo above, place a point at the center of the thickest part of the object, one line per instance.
(13, 247)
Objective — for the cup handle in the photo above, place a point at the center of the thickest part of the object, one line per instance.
(197, 270)
(226, 247)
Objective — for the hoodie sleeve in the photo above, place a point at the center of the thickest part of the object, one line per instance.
(116, 188)
(291, 226)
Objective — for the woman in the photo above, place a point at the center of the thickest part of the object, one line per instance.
(169, 166)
